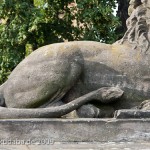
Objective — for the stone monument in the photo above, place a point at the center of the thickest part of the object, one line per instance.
(58, 78)
(97, 80)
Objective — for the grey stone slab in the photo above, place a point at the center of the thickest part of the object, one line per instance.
(14, 147)
(97, 146)
(129, 113)
(37, 131)
(80, 146)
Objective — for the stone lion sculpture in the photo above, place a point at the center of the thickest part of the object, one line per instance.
(59, 78)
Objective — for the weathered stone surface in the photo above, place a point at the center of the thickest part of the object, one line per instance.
(106, 111)
(67, 71)
(88, 111)
(137, 25)
(131, 113)
(76, 130)
(145, 105)
(103, 95)
(91, 111)
(82, 146)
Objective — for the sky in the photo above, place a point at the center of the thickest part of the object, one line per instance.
(115, 10)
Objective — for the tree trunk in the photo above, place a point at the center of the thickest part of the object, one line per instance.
(122, 13)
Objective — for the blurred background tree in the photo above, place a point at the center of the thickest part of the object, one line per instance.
(29, 24)
(122, 14)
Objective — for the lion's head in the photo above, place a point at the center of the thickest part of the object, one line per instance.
(138, 24)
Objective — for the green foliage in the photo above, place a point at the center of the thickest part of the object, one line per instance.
(29, 24)
(98, 21)
(18, 17)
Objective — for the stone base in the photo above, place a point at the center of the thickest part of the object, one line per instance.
(73, 130)
(131, 113)
(82, 146)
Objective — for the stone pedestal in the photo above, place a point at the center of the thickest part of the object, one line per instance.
(74, 130)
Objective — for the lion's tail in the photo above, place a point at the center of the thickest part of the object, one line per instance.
(51, 112)
(55, 112)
